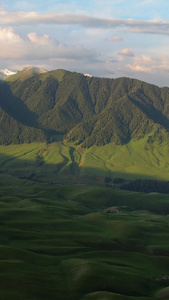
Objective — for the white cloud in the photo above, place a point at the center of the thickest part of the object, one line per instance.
(116, 38)
(143, 59)
(95, 32)
(147, 64)
(38, 47)
(8, 35)
(40, 40)
(139, 68)
(156, 30)
(11, 43)
(20, 17)
(126, 52)
(142, 63)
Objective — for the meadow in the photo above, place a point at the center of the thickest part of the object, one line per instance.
(81, 242)
(63, 162)
(65, 235)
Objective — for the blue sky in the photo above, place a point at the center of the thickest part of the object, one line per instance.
(110, 38)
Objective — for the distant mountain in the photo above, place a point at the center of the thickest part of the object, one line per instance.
(36, 105)
(5, 72)
(26, 73)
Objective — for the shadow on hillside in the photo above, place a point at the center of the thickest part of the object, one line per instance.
(61, 173)
(152, 113)
(17, 109)
(20, 174)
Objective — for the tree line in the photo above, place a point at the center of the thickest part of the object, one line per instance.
(147, 186)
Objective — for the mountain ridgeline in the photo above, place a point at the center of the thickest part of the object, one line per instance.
(46, 106)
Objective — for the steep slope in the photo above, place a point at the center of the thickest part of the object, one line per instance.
(17, 123)
(86, 110)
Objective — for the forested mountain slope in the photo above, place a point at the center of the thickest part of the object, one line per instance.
(40, 106)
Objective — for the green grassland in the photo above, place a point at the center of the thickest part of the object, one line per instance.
(60, 242)
(64, 235)
(63, 162)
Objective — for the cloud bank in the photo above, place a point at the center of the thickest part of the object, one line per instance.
(29, 18)
(34, 46)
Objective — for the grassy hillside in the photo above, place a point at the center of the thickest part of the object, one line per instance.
(62, 242)
(63, 162)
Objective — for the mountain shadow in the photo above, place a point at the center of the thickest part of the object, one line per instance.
(18, 123)
(152, 113)
(15, 107)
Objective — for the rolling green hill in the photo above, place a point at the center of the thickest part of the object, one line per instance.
(89, 111)
(81, 243)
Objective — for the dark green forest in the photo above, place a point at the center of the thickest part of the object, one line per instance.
(86, 110)
(147, 186)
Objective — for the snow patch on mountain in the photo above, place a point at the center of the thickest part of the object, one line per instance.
(88, 75)
(5, 72)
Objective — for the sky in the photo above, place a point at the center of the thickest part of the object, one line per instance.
(110, 38)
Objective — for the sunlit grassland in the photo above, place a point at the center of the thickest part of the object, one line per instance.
(136, 159)
(65, 162)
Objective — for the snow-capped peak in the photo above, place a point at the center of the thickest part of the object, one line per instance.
(5, 72)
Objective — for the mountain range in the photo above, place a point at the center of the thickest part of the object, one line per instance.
(37, 105)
